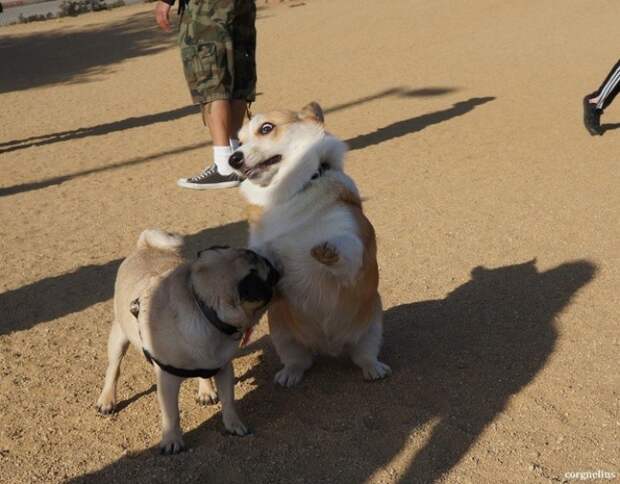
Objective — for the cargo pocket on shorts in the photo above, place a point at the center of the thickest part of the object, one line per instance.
(198, 63)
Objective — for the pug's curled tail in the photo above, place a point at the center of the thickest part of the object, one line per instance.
(158, 239)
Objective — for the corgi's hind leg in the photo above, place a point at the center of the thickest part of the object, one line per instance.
(365, 353)
(295, 357)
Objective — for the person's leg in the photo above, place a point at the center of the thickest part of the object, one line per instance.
(238, 109)
(244, 43)
(595, 97)
(591, 117)
(206, 49)
(608, 91)
(594, 104)
(224, 120)
(218, 116)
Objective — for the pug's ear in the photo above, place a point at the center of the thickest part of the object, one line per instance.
(312, 112)
(213, 247)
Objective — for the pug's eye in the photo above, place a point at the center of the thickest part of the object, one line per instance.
(266, 128)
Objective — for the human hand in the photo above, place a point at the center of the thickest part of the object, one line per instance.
(162, 15)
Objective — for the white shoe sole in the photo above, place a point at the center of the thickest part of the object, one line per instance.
(207, 186)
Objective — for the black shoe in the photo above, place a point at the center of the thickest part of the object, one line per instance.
(209, 179)
(592, 116)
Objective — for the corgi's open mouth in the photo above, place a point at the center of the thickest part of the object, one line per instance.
(254, 171)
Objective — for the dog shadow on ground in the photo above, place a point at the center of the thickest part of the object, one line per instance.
(456, 363)
(57, 296)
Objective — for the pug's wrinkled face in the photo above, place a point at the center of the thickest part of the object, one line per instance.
(237, 283)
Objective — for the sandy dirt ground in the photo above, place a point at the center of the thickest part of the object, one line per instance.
(496, 214)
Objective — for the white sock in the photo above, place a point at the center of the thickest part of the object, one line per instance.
(220, 158)
(234, 143)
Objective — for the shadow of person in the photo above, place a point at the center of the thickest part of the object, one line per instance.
(99, 129)
(138, 160)
(609, 127)
(415, 124)
(456, 362)
(57, 296)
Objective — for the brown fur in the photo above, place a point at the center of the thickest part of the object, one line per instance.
(255, 213)
(329, 300)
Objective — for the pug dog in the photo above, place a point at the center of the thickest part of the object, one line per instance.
(188, 318)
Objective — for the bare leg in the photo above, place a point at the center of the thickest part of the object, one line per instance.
(207, 395)
(225, 380)
(366, 352)
(217, 116)
(117, 346)
(168, 395)
(295, 357)
(238, 110)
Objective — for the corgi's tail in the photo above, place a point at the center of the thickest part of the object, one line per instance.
(158, 239)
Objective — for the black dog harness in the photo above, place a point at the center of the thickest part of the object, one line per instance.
(211, 316)
(181, 372)
(214, 319)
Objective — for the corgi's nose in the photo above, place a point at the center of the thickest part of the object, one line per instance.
(236, 159)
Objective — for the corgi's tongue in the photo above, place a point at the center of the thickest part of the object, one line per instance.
(246, 336)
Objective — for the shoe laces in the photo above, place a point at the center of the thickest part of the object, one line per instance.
(206, 173)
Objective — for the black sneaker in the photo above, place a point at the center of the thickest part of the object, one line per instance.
(592, 117)
(209, 179)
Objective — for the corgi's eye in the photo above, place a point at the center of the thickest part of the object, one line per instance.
(266, 128)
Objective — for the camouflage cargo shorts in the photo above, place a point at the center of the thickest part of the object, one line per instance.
(218, 45)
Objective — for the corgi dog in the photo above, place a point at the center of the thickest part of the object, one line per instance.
(306, 217)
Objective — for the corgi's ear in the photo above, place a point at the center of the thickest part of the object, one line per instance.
(312, 111)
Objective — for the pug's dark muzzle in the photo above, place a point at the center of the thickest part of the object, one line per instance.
(253, 288)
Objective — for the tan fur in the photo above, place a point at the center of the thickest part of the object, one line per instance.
(174, 330)
(280, 119)
(368, 281)
(255, 213)
(311, 223)
(312, 111)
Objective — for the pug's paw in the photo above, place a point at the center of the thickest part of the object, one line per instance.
(207, 395)
(106, 405)
(234, 426)
(325, 253)
(172, 444)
